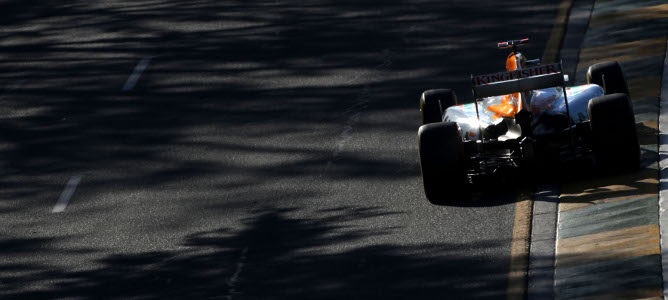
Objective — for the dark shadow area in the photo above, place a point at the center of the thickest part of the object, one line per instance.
(242, 76)
(246, 108)
(498, 189)
(277, 257)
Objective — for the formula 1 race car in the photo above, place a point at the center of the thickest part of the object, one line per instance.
(521, 117)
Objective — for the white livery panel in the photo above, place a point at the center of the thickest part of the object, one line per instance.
(540, 101)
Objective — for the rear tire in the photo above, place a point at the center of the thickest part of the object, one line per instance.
(614, 139)
(442, 162)
(609, 76)
(434, 102)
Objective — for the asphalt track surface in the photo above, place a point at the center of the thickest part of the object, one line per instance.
(266, 149)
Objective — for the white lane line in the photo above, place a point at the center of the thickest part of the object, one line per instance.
(139, 69)
(66, 195)
(232, 282)
(663, 172)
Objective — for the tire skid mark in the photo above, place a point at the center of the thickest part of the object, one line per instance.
(354, 111)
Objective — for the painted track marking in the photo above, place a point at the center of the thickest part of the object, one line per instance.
(232, 282)
(663, 175)
(551, 53)
(66, 195)
(519, 249)
(543, 238)
(134, 77)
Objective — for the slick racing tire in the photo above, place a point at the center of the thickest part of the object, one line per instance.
(608, 75)
(613, 132)
(434, 102)
(442, 162)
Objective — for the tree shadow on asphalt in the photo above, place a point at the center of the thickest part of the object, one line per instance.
(585, 183)
(275, 256)
(276, 103)
(288, 72)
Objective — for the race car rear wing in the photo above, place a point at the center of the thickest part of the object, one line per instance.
(512, 44)
(522, 80)
(503, 83)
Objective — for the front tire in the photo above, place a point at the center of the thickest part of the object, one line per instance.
(434, 102)
(608, 75)
(442, 162)
(614, 139)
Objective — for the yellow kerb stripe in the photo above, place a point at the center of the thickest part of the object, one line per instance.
(639, 183)
(519, 257)
(578, 205)
(623, 51)
(639, 294)
(624, 243)
(644, 13)
(643, 87)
